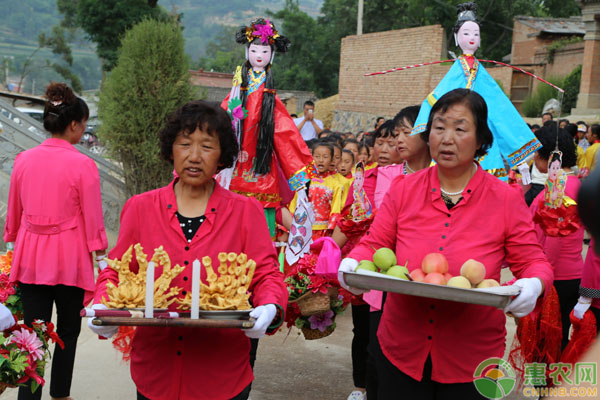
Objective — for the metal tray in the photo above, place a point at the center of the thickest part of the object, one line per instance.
(229, 323)
(496, 297)
(225, 314)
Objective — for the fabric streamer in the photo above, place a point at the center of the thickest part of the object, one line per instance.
(122, 341)
(582, 338)
(538, 337)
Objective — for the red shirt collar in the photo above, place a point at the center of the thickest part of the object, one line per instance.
(55, 142)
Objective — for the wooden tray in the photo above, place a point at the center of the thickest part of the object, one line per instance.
(242, 323)
(496, 296)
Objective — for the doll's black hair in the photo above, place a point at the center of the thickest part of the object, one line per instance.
(466, 12)
(266, 126)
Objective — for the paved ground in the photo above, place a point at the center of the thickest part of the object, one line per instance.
(288, 367)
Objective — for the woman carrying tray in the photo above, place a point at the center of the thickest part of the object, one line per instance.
(431, 348)
(191, 218)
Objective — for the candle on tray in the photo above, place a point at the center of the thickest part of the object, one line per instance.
(195, 289)
(150, 290)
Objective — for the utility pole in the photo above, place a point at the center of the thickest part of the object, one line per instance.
(359, 26)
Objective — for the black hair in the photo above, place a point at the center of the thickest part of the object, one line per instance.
(582, 123)
(596, 130)
(547, 138)
(571, 130)
(294, 115)
(548, 113)
(62, 107)
(364, 145)
(323, 143)
(385, 130)
(407, 113)
(346, 151)
(266, 126)
(368, 139)
(560, 121)
(535, 126)
(201, 115)
(466, 12)
(476, 104)
(336, 137)
(311, 142)
(350, 141)
(309, 103)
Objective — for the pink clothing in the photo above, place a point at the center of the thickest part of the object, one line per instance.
(590, 277)
(564, 252)
(385, 177)
(368, 186)
(186, 363)
(384, 180)
(54, 216)
(490, 224)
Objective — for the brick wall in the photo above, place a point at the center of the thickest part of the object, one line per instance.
(362, 99)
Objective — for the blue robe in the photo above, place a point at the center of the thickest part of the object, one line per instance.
(513, 140)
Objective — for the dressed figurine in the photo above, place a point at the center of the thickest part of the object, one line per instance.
(271, 146)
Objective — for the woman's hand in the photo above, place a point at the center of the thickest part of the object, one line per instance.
(104, 331)
(264, 317)
(349, 265)
(583, 304)
(524, 303)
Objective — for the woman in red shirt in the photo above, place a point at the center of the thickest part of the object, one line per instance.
(431, 348)
(563, 252)
(191, 218)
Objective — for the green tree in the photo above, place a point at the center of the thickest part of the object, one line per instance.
(561, 8)
(104, 22)
(150, 80)
(223, 54)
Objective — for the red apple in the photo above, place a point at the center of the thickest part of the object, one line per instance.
(434, 262)
(448, 276)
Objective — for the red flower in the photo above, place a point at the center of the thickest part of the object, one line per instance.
(6, 288)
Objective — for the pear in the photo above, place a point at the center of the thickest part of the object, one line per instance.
(398, 271)
(366, 265)
(384, 258)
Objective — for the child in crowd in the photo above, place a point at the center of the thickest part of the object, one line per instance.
(337, 156)
(351, 145)
(346, 163)
(324, 193)
(364, 152)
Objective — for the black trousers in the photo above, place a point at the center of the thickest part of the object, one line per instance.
(373, 351)
(396, 385)
(242, 396)
(360, 341)
(38, 301)
(568, 294)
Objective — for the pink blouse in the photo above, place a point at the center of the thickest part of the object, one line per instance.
(490, 224)
(564, 253)
(590, 277)
(54, 216)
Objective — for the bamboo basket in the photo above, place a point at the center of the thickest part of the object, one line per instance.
(313, 303)
(313, 334)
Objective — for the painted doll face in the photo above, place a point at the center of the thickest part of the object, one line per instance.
(468, 37)
(359, 178)
(259, 56)
(553, 169)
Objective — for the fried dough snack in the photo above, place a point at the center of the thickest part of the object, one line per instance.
(229, 289)
(131, 290)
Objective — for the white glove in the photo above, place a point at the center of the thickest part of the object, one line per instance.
(104, 331)
(6, 318)
(264, 317)
(581, 307)
(524, 303)
(349, 265)
(102, 264)
(525, 176)
(10, 246)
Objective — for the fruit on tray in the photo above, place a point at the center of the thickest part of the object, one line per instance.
(474, 271)
(367, 265)
(459, 282)
(384, 258)
(398, 271)
(434, 262)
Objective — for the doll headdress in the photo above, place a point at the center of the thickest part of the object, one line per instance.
(263, 30)
(466, 12)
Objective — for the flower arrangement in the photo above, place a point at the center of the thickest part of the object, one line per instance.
(10, 294)
(24, 353)
(301, 281)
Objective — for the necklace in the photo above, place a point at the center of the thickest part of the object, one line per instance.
(460, 191)
(408, 169)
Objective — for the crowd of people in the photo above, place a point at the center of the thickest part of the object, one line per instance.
(415, 188)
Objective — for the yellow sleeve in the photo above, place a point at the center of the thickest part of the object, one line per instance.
(580, 157)
(292, 205)
(336, 201)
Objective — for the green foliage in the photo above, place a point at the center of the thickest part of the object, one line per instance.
(106, 21)
(560, 8)
(150, 80)
(559, 44)
(533, 104)
(223, 54)
(571, 85)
